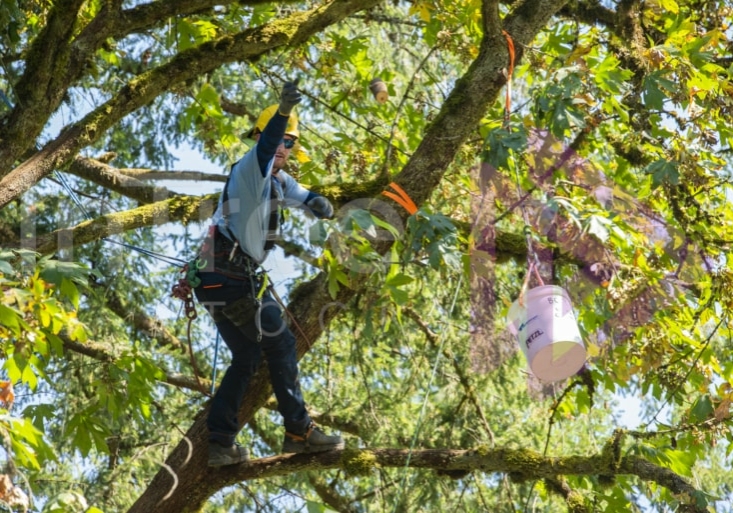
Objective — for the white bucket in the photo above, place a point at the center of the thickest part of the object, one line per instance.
(548, 333)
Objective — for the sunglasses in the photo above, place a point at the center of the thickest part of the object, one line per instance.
(288, 143)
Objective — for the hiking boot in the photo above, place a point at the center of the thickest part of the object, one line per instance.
(313, 440)
(220, 455)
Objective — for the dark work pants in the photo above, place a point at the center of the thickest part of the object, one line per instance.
(230, 303)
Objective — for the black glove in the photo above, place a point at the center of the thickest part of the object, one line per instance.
(289, 97)
(320, 206)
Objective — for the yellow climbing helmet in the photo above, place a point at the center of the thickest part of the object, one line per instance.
(291, 129)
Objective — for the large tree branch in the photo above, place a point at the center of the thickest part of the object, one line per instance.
(117, 23)
(114, 180)
(104, 354)
(522, 462)
(188, 64)
(591, 13)
(180, 208)
(187, 209)
(58, 57)
(466, 105)
(41, 88)
(151, 174)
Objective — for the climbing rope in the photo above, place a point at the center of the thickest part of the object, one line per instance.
(177, 262)
(183, 290)
(510, 72)
(532, 259)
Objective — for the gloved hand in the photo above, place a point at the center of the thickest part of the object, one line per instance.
(289, 97)
(320, 206)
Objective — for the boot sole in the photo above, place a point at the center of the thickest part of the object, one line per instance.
(296, 448)
(224, 463)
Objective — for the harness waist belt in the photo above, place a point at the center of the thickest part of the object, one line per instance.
(227, 258)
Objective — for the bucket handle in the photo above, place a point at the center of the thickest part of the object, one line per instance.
(523, 290)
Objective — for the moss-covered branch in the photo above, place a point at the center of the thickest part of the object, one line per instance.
(151, 174)
(114, 180)
(59, 56)
(503, 460)
(41, 87)
(590, 13)
(192, 63)
(180, 208)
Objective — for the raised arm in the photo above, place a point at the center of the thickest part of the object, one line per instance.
(273, 133)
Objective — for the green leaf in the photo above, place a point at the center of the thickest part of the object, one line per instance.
(9, 318)
(315, 507)
(399, 279)
(364, 220)
(336, 276)
(598, 226)
(499, 145)
(702, 409)
(399, 296)
(318, 232)
(387, 226)
(610, 76)
(81, 439)
(28, 376)
(565, 116)
(69, 290)
(57, 345)
(67, 502)
(681, 462)
(669, 5)
(6, 268)
(40, 414)
(663, 171)
(54, 271)
(653, 95)
(701, 499)
(29, 447)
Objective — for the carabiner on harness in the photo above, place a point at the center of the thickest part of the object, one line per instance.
(184, 288)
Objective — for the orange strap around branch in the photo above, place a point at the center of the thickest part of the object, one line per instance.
(510, 71)
(401, 197)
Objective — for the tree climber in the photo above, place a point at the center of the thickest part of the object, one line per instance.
(234, 288)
